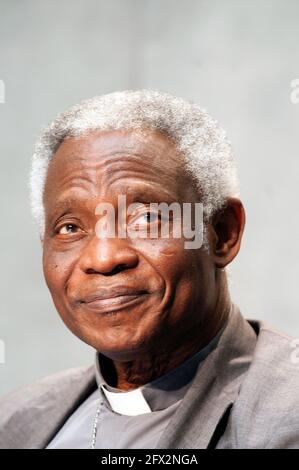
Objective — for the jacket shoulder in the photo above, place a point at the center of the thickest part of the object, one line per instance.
(266, 412)
(39, 389)
(44, 402)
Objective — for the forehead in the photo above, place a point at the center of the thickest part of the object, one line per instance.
(97, 147)
(103, 161)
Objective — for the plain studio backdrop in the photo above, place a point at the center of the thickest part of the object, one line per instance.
(235, 58)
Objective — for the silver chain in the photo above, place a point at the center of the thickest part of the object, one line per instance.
(95, 426)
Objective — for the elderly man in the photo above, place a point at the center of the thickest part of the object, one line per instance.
(176, 364)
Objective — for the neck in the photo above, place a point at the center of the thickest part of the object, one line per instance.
(157, 362)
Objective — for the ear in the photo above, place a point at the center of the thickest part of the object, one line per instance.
(225, 233)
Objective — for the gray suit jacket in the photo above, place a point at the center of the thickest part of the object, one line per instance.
(244, 395)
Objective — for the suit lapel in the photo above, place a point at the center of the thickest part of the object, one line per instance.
(67, 399)
(213, 390)
(30, 417)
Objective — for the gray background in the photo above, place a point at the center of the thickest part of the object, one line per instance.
(235, 57)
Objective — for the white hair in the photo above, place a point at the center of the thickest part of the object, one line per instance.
(204, 145)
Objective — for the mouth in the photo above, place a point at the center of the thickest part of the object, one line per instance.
(109, 305)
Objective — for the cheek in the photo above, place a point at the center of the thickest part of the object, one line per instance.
(169, 258)
(189, 272)
(56, 268)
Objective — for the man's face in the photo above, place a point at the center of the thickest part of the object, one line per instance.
(123, 296)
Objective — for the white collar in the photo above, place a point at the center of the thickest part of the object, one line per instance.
(129, 403)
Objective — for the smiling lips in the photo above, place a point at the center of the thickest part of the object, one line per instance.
(112, 299)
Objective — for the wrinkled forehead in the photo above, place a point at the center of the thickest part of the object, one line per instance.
(109, 157)
(98, 145)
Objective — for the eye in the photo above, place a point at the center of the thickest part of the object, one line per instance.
(149, 217)
(67, 229)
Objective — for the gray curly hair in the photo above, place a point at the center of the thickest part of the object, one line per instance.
(207, 152)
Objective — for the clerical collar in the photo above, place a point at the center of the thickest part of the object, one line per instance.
(157, 394)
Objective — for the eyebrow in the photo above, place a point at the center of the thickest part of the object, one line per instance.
(69, 201)
(64, 206)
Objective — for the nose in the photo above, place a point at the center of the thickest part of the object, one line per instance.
(108, 256)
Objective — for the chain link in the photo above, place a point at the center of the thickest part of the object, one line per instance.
(95, 426)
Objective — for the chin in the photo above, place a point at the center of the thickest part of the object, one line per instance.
(120, 349)
(116, 342)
